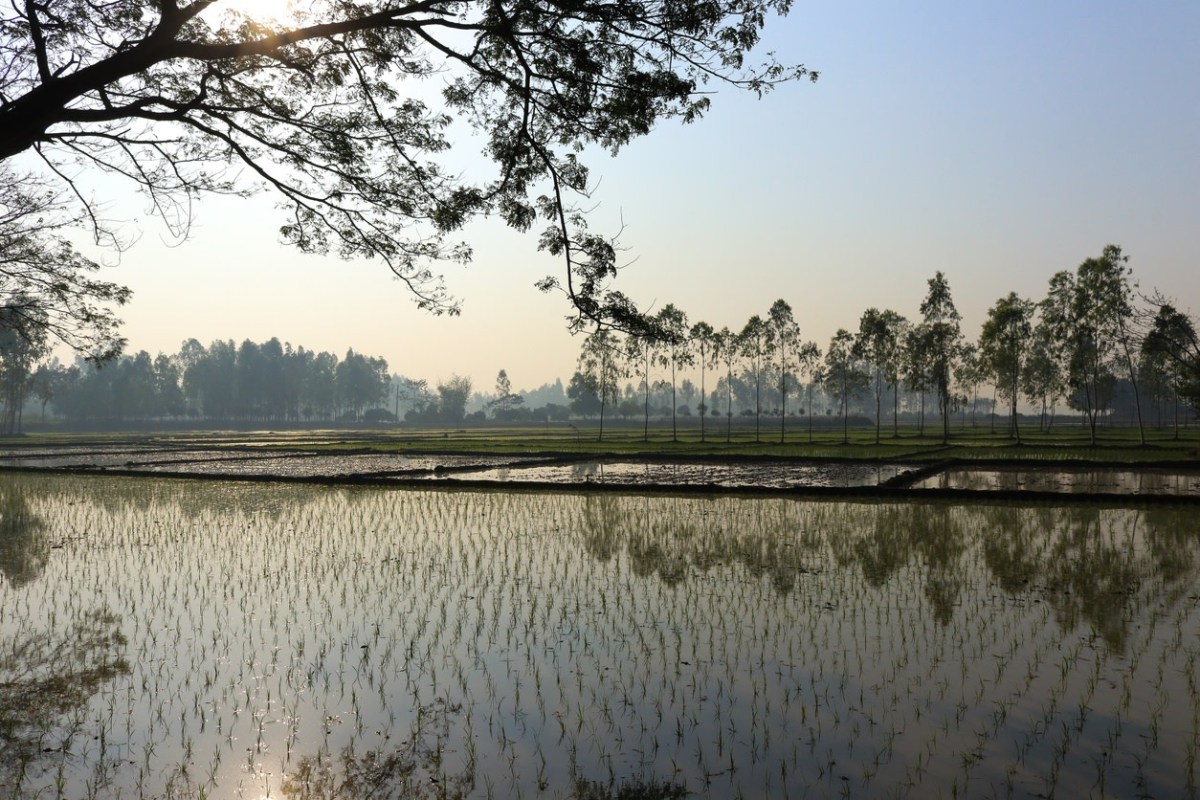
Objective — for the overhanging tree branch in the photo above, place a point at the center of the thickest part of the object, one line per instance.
(320, 110)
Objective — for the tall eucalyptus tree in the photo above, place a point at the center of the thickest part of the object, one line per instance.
(727, 348)
(753, 339)
(784, 335)
(943, 341)
(601, 364)
(808, 360)
(878, 345)
(1106, 284)
(843, 374)
(704, 344)
(1004, 350)
(675, 352)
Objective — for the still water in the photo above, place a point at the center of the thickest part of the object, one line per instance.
(167, 638)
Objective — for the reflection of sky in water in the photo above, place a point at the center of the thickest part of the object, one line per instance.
(503, 469)
(226, 462)
(1114, 481)
(769, 475)
(753, 646)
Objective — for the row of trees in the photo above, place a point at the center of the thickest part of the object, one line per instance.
(1090, 335)
(252, 382)
(1091, 332)
(270, 381)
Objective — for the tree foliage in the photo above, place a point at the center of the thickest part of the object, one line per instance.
(47, 288)
(943, 338)
(268, 381)
(1172, 344)
(327, 108)
(784, 333)
(843, 373)
(878, 344)
(1004, 347)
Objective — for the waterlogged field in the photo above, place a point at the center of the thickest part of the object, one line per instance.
(191, 639)
(1065, 480)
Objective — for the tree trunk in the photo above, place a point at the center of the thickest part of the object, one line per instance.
(878, 405)
(1137, 397)
(845, 414)
(810, 413)
(1012, 413)
(728, 406)
(674, 403)
(600, 438)
(782, 394)
(895, 411)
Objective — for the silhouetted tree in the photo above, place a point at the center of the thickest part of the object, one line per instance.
(843, 373)
(453, 395)
(784, 335)
(584, 395)
(943, 340)
(808, 359)
(1003, 349)
(675, 351)
(46, 288)
(363, 382)
(1172, 342)
(753, 339)
(704, 344)
(1105, 286)
(727, 349)
(877, 344)
(22, 344)
(916, 367)
(169, 95)
(601, 367)
(1072, 323)
(505, 401)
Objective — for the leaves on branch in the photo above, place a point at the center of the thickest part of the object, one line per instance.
(46, 288)
(335, 110)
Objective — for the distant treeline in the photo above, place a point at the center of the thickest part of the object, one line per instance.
(252, 383)
(265, 382)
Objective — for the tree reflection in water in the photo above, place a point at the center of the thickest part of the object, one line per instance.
(23, 545)
(44, 677)
(342, 643)
(1084, 561)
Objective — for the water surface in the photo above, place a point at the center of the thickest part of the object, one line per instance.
(165, 638)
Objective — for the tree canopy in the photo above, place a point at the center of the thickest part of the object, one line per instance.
(327, 108)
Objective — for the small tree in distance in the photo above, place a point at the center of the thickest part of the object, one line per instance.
(505, 401)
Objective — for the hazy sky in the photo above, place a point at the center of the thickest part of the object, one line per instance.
(996, 142)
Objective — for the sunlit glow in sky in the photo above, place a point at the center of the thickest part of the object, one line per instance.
(998, 143)
(264, 11)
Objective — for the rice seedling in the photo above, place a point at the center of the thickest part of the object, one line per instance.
(301, 642)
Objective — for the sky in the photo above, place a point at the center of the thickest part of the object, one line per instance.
(996, 142)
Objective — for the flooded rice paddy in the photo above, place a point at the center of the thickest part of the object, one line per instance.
(1068, 481)
(168, 638)
(548, 471)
